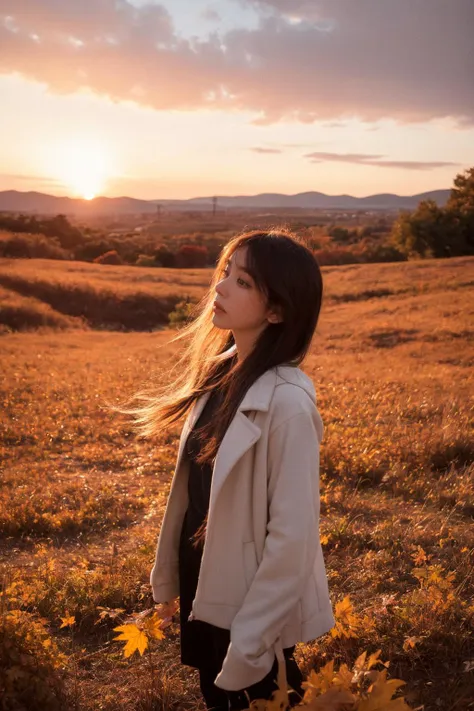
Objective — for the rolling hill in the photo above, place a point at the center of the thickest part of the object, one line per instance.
(41, 203)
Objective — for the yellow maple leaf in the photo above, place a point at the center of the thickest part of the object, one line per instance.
(360, 662)
(135, 638)
(419, 556)
(344, 676)
(380, 695)
(347, 623)
(345, 611)
(108, 612)
(344, 606)
(152, 626)
(335, 699)
(374, 659)
(410, 642)
(67, 621)
(435, 575)
(318, 682)
(420, 573)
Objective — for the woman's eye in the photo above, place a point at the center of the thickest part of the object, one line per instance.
(242, 282)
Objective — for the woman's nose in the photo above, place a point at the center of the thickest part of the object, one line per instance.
(219, 287)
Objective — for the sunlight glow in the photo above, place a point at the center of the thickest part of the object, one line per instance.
(83, 166)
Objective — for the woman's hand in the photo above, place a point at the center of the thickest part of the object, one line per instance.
(168, 609)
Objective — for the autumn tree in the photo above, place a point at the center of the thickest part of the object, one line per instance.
(424, 232)
(191, 255)
(433, 231)
(461, 205)
(164, 256)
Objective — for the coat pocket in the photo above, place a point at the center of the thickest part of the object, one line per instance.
(250, 561)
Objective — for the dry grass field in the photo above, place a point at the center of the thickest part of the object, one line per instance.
(81, 498)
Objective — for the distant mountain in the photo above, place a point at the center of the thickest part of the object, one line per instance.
(43, 204)
(315, 201)
(13, 200)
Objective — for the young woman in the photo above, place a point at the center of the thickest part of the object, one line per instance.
(239, 542)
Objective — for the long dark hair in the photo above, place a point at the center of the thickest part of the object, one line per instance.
(287, 273)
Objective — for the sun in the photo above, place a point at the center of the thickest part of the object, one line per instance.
(86, 171)
(84, 168)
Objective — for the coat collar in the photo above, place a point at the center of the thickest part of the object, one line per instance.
(242, 431)
(257, 397)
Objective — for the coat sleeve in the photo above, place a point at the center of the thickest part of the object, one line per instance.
(289, 551)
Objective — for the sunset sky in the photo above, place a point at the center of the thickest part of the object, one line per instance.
(186, 98)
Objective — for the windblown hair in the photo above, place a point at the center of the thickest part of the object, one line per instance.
(288, 275)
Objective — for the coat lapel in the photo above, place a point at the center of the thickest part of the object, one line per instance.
(241, 434)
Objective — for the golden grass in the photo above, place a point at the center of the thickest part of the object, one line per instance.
(132, 298)
(81, 498)
(105, 296)
(26, 313)
(115, 279)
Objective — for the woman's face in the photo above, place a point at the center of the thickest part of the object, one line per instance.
(244, 306)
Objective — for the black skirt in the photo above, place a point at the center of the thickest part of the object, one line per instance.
(202, 644)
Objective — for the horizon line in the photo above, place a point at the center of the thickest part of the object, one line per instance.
(210, 197)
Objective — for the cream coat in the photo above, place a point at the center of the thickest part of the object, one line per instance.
(262, 573)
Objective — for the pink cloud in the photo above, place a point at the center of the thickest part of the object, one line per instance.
(370, 59)
(374, 160)
(257, 149)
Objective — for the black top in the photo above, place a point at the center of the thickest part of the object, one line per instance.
(202, 644)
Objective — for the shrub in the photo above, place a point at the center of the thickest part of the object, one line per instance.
(57, 227)
(92, 249)
(165, 256)
(60, 227)
(190, 255)
(145, 260)
(110, 257)
(30, 246)
(341, 235)
(337, 255)
(31, 674)
(182, 313)
(377, 252)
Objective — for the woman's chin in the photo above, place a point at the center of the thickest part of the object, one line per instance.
(219, 320)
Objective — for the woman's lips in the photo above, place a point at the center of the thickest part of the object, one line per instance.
(217, 307)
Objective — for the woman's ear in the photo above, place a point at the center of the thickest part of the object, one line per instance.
(274, 316)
